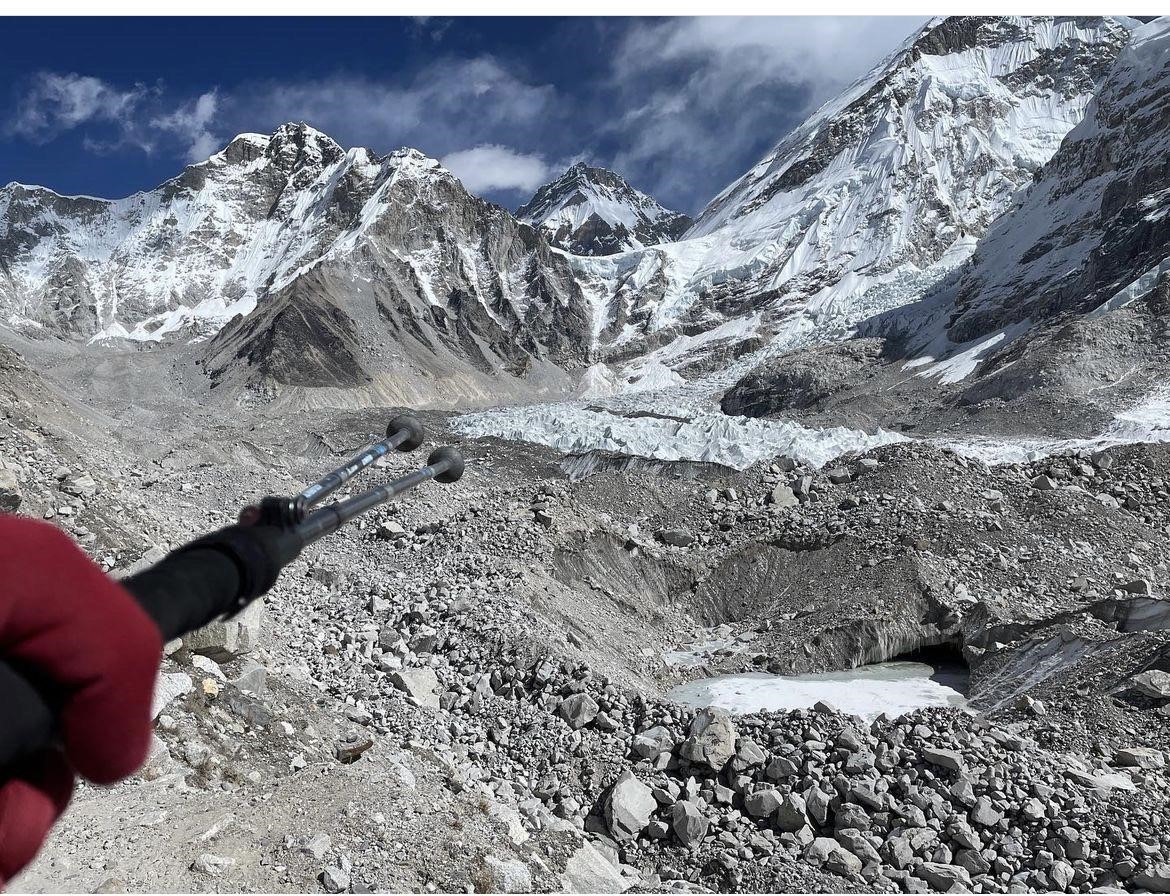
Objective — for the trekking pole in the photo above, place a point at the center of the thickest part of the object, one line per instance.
(219, 574)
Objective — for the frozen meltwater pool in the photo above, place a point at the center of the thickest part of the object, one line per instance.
(893, 688)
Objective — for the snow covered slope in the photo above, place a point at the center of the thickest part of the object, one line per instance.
(593, 211)
(344, 265)
(876, 195)
(212, 241)
(1093, 233)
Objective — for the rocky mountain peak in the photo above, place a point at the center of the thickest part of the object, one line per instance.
(594, 211)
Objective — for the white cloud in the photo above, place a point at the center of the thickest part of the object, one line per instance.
(448, 105)
(825, 52)
(704, 97)
(495, 167)
(55, 103)
(191, 123)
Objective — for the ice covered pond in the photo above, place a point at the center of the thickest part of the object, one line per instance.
(893, 688)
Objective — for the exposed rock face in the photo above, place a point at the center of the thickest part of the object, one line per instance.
(340, 269)
(593, 211)
(1092, 231)
(801, 382)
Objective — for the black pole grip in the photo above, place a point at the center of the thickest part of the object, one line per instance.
(186, 590)
(213, 576)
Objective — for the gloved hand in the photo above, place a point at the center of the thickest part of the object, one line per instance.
(94, 653)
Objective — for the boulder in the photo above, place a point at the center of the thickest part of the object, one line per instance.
(589, 871)
(948, 759)
(679, 538)
(857, 843)
(688, 823)
(578, 710)
(628, 807)
(1153, 683)
(211, 864)
(422, 684)
(10, 493)
(1140, 757)
(653, 741)
(82, 486)
(984, 814)
(1155, 878)
(712, 739)
(833, 856)
(168, 688)
(389, 530)
(783, 496)
(334, 879)
(762, 803)
(226, 639)
(792, 813)
(942, 877)
(495, 875)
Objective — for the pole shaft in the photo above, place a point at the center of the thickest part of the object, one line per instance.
(332, 517)
(328, 484)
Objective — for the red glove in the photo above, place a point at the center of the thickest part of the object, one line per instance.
(61, 617)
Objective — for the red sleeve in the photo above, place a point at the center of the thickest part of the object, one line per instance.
(63, 617)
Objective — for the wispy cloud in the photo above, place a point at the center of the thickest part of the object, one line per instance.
(703, 98)
(57, 102)
(493, 167)
(192, 124)
(447, 106)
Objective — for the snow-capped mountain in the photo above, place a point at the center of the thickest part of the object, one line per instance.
(274, 224)
(1093, 232)
(593, 211)
(881, 191)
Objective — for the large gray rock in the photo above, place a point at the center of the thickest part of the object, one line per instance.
(1140, 757)
(856, 842)
(833, 856)
(1155, 878)
(679, 538)
(589, 871)
(628, 807)
(762, 803)
(496, 875)
(783, 496)
(984, 814)
(81, 486)
(1153, 683)
(942, 877)
(211, 864)
(227, 639)
(792, 813)
(712, 739)
(688, 823)
(948, 759)
(653, 741)
(168, 688)
(334, 879)
(422, 684)
(10, 493)
(578, 710)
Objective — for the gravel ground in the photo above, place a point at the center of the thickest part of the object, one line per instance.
(465, 691)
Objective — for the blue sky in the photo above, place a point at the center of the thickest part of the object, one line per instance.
(681, 107)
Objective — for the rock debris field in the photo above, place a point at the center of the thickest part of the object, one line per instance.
(466, 690)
